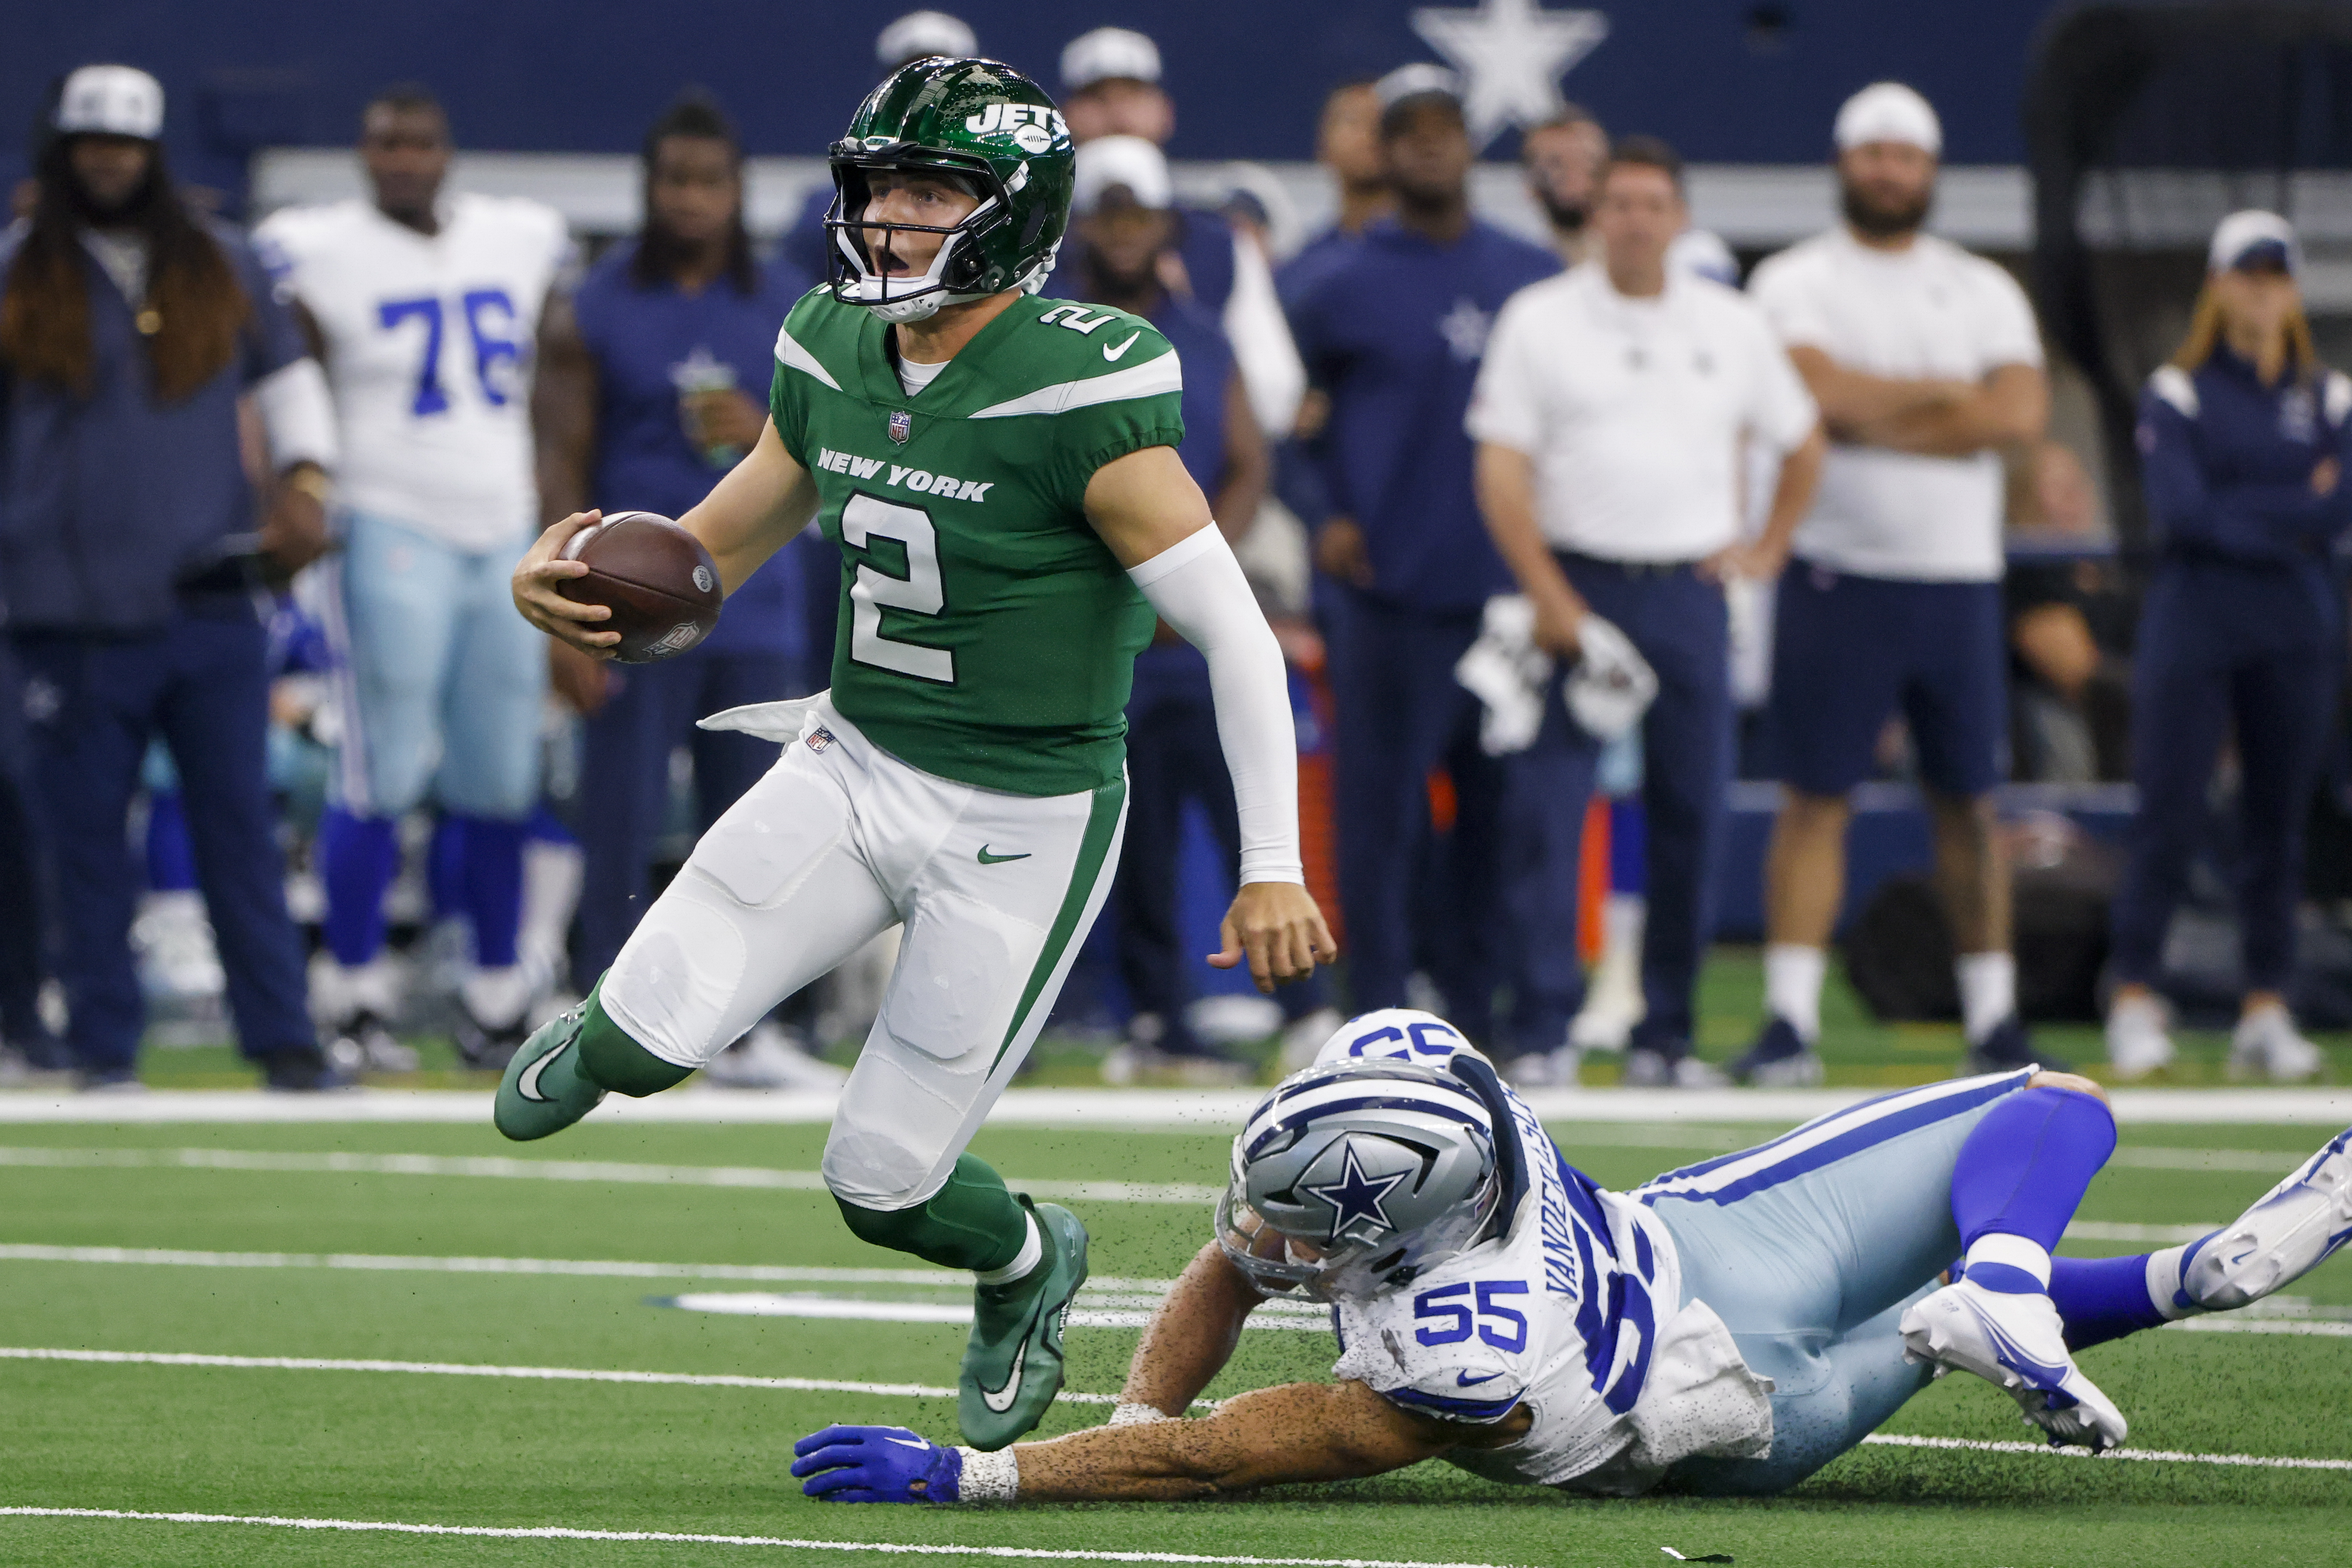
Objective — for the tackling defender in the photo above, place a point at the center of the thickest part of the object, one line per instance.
(1000, 475)
(1726, 1329)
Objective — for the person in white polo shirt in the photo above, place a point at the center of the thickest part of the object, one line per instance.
(1926, 364)
(1611, 415)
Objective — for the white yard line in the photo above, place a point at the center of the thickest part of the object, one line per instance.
(1192, 1110)
(499, 1167)
(570, 1533)
(2161, 1456)
(926, 1391)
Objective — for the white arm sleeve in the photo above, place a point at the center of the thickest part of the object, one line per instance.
(298, 416)
(1197, 589)
(1268, 359)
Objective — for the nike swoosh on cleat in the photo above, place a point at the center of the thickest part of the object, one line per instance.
(1112, 353)
(528, 1084)
(1000, 1400)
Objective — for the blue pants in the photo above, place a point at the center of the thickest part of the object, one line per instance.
(2223, 649)
(1676, 619)
(442, 678)
(203, 685)
(1173, 757)
(1399, 714)
(1809, 1248)
(23, 893)
(624, 776)
(1848, 652)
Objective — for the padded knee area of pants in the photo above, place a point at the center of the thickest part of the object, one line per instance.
(677, 979)
(609, 1056)
(756, 853)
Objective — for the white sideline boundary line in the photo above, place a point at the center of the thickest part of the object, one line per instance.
(568, 1532)
(1175, 1110)
(924, 1391)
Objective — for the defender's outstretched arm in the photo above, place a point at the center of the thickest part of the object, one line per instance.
(1298, 1432)
(1190, 1336)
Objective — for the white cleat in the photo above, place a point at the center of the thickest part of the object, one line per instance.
(770, 1057)
(2288, 1233)
(2018, 1343)
(2266, 1044)
(2138, 1042)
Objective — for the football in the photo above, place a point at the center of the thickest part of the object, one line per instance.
(659, 581)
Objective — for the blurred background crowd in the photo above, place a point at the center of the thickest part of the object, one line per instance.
(1974, 619)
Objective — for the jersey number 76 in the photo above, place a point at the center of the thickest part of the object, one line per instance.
(489, 321)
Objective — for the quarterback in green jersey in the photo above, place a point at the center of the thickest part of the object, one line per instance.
(1000, 474)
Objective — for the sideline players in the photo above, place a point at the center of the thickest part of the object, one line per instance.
(423, 308)
(647, 392)
(1393, 328)
(1926, 362)
(1000, 473)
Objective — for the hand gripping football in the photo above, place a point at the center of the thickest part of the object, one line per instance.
(658, 580)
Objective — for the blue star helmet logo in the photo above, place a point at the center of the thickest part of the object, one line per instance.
(1357, 1195)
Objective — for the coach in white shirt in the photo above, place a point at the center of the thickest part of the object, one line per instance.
(1926, 362)
(1611, 414)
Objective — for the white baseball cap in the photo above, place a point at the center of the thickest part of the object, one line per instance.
(1108, 162)
(920, 35)
(1702, 252)
(1889, 111)
(1408, 84)
(111, 101)
(2244, 237)
(1108, 54)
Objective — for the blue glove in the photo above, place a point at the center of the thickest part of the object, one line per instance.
(876, 1464)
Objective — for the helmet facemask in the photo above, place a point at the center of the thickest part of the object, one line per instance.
(957, 273)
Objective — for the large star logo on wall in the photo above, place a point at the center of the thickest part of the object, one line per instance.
(1511, 54)
(1356, 1195)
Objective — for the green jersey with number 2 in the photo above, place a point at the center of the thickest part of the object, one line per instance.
(987, 634)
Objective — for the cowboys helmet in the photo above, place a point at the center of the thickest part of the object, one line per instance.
(982, 126)
(1352, 1173)
(1404, 1033)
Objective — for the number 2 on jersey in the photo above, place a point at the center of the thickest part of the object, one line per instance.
(919, 592)
(496, 353)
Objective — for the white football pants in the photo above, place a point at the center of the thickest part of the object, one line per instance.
(837, 843)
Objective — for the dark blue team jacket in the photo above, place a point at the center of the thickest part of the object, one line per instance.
(107, 500)
(2227, 463)
(638, 337)
(1393, 328)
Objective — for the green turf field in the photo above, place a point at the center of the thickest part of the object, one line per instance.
(514, 1452)
(1855, 1048)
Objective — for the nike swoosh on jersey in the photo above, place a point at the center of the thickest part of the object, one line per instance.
(528, 1084)
(1112, 353)
(1000, 1400)
(988, 859)
(1463, 1379)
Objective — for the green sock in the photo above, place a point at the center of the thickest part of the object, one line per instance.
(609, 1058)
(970, 1222)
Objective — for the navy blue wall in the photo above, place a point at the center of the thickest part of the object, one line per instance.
(546, 75)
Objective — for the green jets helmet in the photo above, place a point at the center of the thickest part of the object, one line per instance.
(985, 129)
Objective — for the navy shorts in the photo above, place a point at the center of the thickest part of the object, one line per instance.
(1848, 651)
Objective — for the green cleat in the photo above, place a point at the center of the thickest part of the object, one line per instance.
(1012, 1364)
(543, 1091)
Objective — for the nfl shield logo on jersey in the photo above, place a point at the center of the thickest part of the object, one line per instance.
(902, 424)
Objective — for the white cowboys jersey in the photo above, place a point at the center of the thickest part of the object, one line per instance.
(1572, 1312)
(428, 352)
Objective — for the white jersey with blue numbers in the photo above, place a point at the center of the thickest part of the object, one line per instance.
(1573, 1311)
(429, 351)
